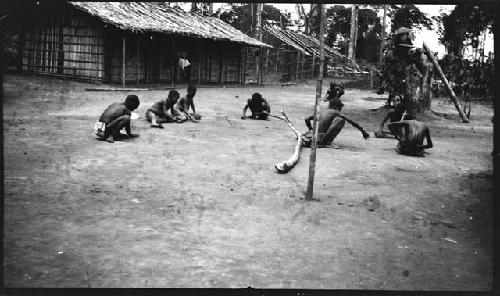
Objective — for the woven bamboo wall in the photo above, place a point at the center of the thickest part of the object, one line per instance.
(157, 60)
(71, 43)
(66, 46)
(285, 61)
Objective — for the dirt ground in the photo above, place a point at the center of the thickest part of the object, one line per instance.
(200, 205)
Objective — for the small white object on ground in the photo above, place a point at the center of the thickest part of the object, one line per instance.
(135, 200)
(450, 240)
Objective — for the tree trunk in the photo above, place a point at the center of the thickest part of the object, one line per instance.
(258, 36)
(425, 86)
(445, 82)
(352, 39)
(382, 36)
(211, 9)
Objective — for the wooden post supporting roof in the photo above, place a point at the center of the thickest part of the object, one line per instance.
(319, 85)
(297, 67)
(172, 67)
(302, 67)
(123, 60)
(220, 66)
(244, 73)
(312, 68)
(138, 60)
(277, 59)
(199, 63)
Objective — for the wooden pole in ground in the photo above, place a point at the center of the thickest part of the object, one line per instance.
(450, 91)
(319, 85)
(123, 61)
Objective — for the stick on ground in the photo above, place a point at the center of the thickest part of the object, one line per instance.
(287, 165)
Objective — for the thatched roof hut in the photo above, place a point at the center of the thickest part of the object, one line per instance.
(133, 42)
(162, 18)
(305, 44)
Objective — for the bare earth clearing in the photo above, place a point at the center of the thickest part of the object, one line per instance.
(200, 205)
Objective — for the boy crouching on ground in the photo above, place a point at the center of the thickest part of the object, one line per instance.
(116, 117)
(259, 107)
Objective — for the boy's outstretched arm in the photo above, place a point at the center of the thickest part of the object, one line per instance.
(308, 121)
(353, 123)
(192, 107)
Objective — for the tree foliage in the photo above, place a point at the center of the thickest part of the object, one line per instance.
(464, 25)
(202, 8)
(338, 21)
(408, 16)
(241, 16)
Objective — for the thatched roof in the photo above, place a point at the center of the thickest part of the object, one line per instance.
(308, 45)
(161, 18)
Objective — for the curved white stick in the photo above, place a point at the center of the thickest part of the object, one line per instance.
(292, 161)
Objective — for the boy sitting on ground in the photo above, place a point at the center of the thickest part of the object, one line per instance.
(392, 116)
(411, 134)
(183, 105)
(159, 112)
(259, 107)
(116, 117)
(330, 123)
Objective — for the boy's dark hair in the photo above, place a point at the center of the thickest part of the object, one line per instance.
(173, 94)
(336, 90)
(191, 88)
(132, 102)
(256, 96)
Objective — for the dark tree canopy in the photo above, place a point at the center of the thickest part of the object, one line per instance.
(408, 16)
(242, 17)
(464, 25)
(338, 19)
